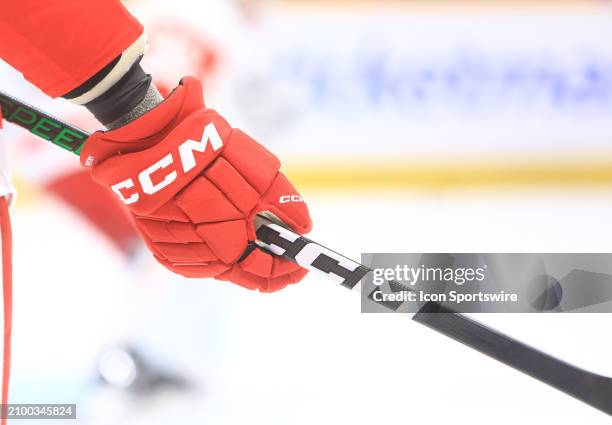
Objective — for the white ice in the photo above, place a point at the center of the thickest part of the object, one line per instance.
(306, 354)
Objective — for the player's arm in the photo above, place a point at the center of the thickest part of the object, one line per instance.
(58, 45)
(193, 183)
(78, 50)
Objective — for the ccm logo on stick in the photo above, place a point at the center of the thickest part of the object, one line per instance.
(290, 198)
(186, 154)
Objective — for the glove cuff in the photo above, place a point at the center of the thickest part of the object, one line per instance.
(149, 129)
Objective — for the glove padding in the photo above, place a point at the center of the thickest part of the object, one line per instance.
(194, 186)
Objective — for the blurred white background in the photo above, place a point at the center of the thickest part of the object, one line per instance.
(410, 127)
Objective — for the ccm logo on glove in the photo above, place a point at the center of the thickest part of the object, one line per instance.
(290, 198)
(194, 185)
(186, 154)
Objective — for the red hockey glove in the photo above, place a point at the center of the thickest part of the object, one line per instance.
(194, 185)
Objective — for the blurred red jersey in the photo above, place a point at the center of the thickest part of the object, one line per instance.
(59, 44)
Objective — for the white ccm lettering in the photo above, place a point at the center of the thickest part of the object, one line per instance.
(290, 198)
(145, 176)
(125, 184)
(189, 146)
(186, 154)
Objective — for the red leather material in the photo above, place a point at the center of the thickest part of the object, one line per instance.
(256, 164)
(232, 243)
(228, 180)
(259, 264)
(169, 212)
(58, 45)
(194, 186)
(204, 203)
(130, 165)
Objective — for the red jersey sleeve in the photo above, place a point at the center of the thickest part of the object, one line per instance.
(59, 44)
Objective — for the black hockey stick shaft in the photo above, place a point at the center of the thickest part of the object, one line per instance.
(590, 388)
(593, 389)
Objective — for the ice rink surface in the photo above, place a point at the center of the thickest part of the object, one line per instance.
(306, 354)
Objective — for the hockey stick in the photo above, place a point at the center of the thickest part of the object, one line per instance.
(593, 389)
(42, 125)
